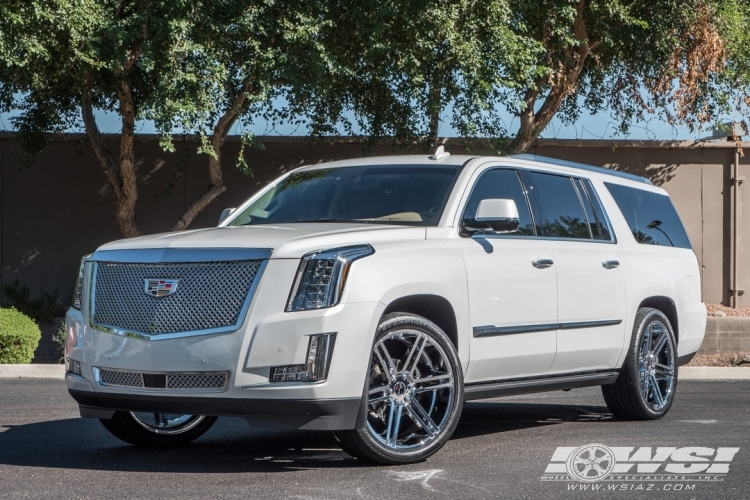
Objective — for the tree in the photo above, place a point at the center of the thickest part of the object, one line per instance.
(402, 64)
(623, 56)
(198, 66)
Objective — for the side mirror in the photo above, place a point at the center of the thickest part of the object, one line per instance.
(493, 216)
(226, 213)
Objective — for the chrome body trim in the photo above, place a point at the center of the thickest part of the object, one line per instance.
(494, 331)
(159, 255)
(166, 336)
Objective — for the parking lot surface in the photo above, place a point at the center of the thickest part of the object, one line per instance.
(501, 449)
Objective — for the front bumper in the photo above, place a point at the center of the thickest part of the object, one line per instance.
(268, 337)
(311, 414)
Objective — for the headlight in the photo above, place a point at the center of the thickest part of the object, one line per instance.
(321, 277)
(78, 293)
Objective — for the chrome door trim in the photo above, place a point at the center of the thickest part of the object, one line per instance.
(494, 331)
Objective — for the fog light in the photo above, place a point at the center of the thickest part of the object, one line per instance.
(319, 350)
(74, 366)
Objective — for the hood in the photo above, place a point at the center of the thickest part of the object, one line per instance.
(288, 241)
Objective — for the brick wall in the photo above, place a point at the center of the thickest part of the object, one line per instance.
(726, 335)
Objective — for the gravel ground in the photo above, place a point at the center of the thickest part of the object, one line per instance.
(723, 311)
(721, 359)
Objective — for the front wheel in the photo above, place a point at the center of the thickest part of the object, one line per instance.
(157, 429)
(646, 386)
(415, 393)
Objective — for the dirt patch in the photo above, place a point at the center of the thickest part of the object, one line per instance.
(721, 359)
(724, 311)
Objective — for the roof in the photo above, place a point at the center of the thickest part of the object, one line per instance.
(582, 166)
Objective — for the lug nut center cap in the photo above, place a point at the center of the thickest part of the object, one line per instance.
(399, 388)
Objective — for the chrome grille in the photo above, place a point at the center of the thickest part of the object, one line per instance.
(177, 381)
(210, 295)
(123, 379)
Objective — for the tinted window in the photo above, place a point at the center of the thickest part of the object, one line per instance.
(380, 194)
(504, 184)
(561, 205)
(651, 216)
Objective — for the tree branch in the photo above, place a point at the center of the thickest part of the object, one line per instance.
(101, 151)
(216, 182)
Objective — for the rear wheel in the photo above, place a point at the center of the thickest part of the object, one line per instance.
(646, 386)
(415, 393)
(157, 429)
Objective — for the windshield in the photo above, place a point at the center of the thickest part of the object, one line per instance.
(383, 194)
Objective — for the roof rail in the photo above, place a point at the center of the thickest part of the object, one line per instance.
(582, 166)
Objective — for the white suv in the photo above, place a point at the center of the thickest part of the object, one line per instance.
(372, 297)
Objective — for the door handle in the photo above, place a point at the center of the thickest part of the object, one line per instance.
(610, 264)
(542, 263)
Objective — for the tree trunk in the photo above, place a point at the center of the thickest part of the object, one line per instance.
(434, 107)
(126, 203)
(562, 84)
(125, 190)
(216, 183)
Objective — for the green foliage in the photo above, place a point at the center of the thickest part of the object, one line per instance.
(387, 69)
(19, 337)
(43, 308)
(59, 338)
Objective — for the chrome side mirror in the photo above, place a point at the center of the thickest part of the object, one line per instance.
(226, 213)
(496, 215)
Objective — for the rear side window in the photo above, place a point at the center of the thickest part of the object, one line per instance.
(560, 203)
(651, 216)
(505, 184)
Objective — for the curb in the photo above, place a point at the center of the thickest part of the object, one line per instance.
(32, 371)
(713, 373)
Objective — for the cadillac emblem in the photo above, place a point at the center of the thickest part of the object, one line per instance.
(160, 288)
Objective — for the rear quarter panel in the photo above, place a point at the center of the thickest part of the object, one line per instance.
(652, 271)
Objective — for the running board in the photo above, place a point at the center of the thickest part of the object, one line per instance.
(513, 387)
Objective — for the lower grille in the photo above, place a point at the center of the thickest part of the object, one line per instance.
(173, 381)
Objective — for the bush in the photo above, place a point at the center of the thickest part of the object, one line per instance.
(19, 337)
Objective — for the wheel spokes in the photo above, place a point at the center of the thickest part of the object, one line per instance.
(387, 367)
(660, 343)
(656, 391)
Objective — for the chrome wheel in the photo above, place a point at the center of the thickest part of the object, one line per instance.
(657, 366)
(412, 391)
(166, 423)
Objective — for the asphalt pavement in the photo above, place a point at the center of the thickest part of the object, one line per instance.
(503, 448)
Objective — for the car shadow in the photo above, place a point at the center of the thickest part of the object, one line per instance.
(232, 446)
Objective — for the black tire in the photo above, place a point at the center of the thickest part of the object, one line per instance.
(124, 425)
(438, 360)
(627, 398)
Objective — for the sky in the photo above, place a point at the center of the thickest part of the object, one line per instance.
(599, 126)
